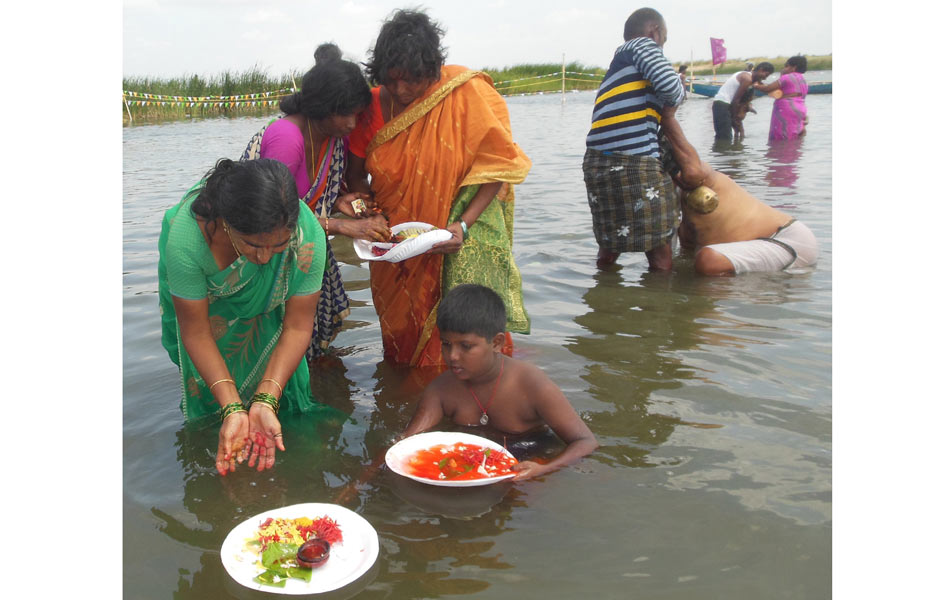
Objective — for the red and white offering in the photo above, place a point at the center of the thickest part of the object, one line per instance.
(408, 240)
(300, 549)
(451, 459)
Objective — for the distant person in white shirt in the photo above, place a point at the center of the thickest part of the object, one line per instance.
(726, 104)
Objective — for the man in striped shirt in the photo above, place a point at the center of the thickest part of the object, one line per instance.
(631, 198)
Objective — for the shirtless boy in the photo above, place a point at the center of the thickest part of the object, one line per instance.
(734, 231)
(483, 386)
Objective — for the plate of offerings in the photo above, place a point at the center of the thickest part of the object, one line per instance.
(301, 549)
(451, 459)
(409, 239)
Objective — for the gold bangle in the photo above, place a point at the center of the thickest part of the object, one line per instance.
(327, 219)
(211, 387)
(232, 408)
(265, 404)
(269, 399)
(274, 381)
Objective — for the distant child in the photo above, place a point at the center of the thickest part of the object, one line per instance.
(484, 387)
(744, 107)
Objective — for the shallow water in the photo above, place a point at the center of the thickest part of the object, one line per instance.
(711, 399)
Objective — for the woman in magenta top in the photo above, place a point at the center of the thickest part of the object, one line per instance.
(789, 115)
(312, 140)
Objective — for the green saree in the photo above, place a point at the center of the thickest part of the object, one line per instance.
(246, 305)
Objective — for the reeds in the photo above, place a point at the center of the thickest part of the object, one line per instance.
(243, 94)
(544, 78)
(147, 99)
(815, 63)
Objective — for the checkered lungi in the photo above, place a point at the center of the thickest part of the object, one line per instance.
(631, 200)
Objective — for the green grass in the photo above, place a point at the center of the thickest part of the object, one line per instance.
(251, 81)
(510, 80)
(815, 63)
(544, 77)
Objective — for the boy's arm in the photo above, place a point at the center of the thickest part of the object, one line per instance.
(429, 412)
(555, 410)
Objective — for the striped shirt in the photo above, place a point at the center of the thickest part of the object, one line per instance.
(638, 84)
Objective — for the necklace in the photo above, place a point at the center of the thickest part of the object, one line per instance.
(484, 418)
(227, 230)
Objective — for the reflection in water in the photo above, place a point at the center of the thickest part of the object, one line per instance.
(428, 557)
(782, 163)
(306, 472)
(635, 331)
(648, 361)
(730, 156)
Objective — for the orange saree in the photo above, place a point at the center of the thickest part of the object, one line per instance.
(426, 165)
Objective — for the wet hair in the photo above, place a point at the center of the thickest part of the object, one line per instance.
(253, 196)
(410, 43)
(765, 66)
(799, 62)
(472, 308)
(637, 22)
(331, 87)
(682, 69)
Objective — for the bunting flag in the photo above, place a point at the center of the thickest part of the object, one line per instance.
(718, 50)
(139, 96)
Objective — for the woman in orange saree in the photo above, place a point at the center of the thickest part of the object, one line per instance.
(439, 151)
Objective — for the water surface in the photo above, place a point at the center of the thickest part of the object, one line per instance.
(711, 399)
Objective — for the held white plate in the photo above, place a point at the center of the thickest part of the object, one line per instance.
(348, 560)
(398, 456)
(420, 244)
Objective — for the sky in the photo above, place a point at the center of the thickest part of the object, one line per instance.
(172, 38)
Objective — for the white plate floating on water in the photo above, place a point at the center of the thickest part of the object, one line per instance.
(397, 457)
(349, 559)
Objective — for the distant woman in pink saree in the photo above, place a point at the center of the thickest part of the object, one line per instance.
(789, 114)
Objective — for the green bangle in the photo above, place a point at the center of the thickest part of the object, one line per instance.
(268, 399)
(229, 409)
(464, 229)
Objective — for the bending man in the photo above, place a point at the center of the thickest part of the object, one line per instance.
(734, 231)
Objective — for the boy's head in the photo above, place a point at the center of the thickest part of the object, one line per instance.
(472, 308)
(471, 321)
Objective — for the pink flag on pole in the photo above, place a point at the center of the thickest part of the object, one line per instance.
(718, 50)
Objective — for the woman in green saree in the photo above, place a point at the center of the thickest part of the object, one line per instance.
(241, 262)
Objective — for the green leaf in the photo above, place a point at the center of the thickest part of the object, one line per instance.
(464, 470)
(304, 573)
(271, 578)
(276, 552)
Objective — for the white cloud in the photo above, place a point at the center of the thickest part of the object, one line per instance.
(265, 15)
